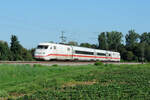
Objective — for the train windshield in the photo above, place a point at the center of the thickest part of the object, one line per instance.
(42, 46)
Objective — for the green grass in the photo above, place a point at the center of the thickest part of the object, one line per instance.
(90, 82)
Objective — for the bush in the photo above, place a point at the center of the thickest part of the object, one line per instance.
(55, 65)
(37, 65)
(98, 63)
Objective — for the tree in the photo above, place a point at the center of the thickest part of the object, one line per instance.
(122, 50)
(16, 48)
(145, 43)
(73, 43)
(86, 45)
(131, 39)
(26, 55)
(5, 53)
(110, 40)
(102, 41)
(147, 53)
(145, 37)
(32, 52)
(139, 51)
(114, 40)
(94, 46)
(129, 55)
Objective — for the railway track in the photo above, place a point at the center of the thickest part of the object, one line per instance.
(49, 63)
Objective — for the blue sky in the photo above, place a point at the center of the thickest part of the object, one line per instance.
(35, 21)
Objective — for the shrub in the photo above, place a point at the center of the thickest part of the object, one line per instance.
(37, 65)
(98, 63)
(55, 65)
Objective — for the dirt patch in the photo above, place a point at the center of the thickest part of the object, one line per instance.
(70, 84)
(3, 98)
(15, 95)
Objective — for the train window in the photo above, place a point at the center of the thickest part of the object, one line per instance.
(109, 54)
(54, 47)
(101, 54)
(84, 52)
(68, 49)
(42, 47)
(50, 47)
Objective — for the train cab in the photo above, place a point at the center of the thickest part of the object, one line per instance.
(49, 51)
(42, 51)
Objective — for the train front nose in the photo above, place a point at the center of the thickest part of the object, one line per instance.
(39, 54)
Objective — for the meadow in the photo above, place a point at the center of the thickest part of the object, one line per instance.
(88, 82)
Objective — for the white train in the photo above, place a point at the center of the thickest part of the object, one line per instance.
(50, 51)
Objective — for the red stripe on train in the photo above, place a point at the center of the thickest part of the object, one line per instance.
(76, 56)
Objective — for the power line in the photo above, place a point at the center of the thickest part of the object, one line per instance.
(62, 37)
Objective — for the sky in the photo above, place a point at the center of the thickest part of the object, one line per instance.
(35, 21)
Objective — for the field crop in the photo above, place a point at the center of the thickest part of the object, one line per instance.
(90, 82)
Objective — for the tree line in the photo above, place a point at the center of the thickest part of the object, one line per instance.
(135, 47)
(14, 52)
(132, 46)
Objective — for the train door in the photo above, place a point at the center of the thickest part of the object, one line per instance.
(108, 56)
(61, 52)
(54, 51)
(95, 55)
(64, 52)
(69, 53)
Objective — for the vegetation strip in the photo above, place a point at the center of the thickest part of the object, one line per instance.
(135, 47)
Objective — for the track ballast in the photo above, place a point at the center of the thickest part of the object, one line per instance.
(49, 63)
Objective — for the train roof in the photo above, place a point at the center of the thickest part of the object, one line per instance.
(47, 43)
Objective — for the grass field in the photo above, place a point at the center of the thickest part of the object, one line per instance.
(102, 82)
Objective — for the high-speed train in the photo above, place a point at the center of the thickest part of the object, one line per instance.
(53, 51)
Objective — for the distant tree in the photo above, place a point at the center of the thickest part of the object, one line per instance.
(139, 51)
(32, 52)
(122, 50)
(129, 56)
(145, 37)
(86, 45)
(102, 39)
(26, 55)
(110, 40)
(147, 53)
(73, 43)
(51, 42)
(5, 53)
(114, 40)
(16, 48)
(132, 39)
(94, 46)
(145, 43)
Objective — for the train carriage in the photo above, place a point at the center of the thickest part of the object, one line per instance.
(101, 55)
(115, 56)
(81, 53)
(62, 52)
